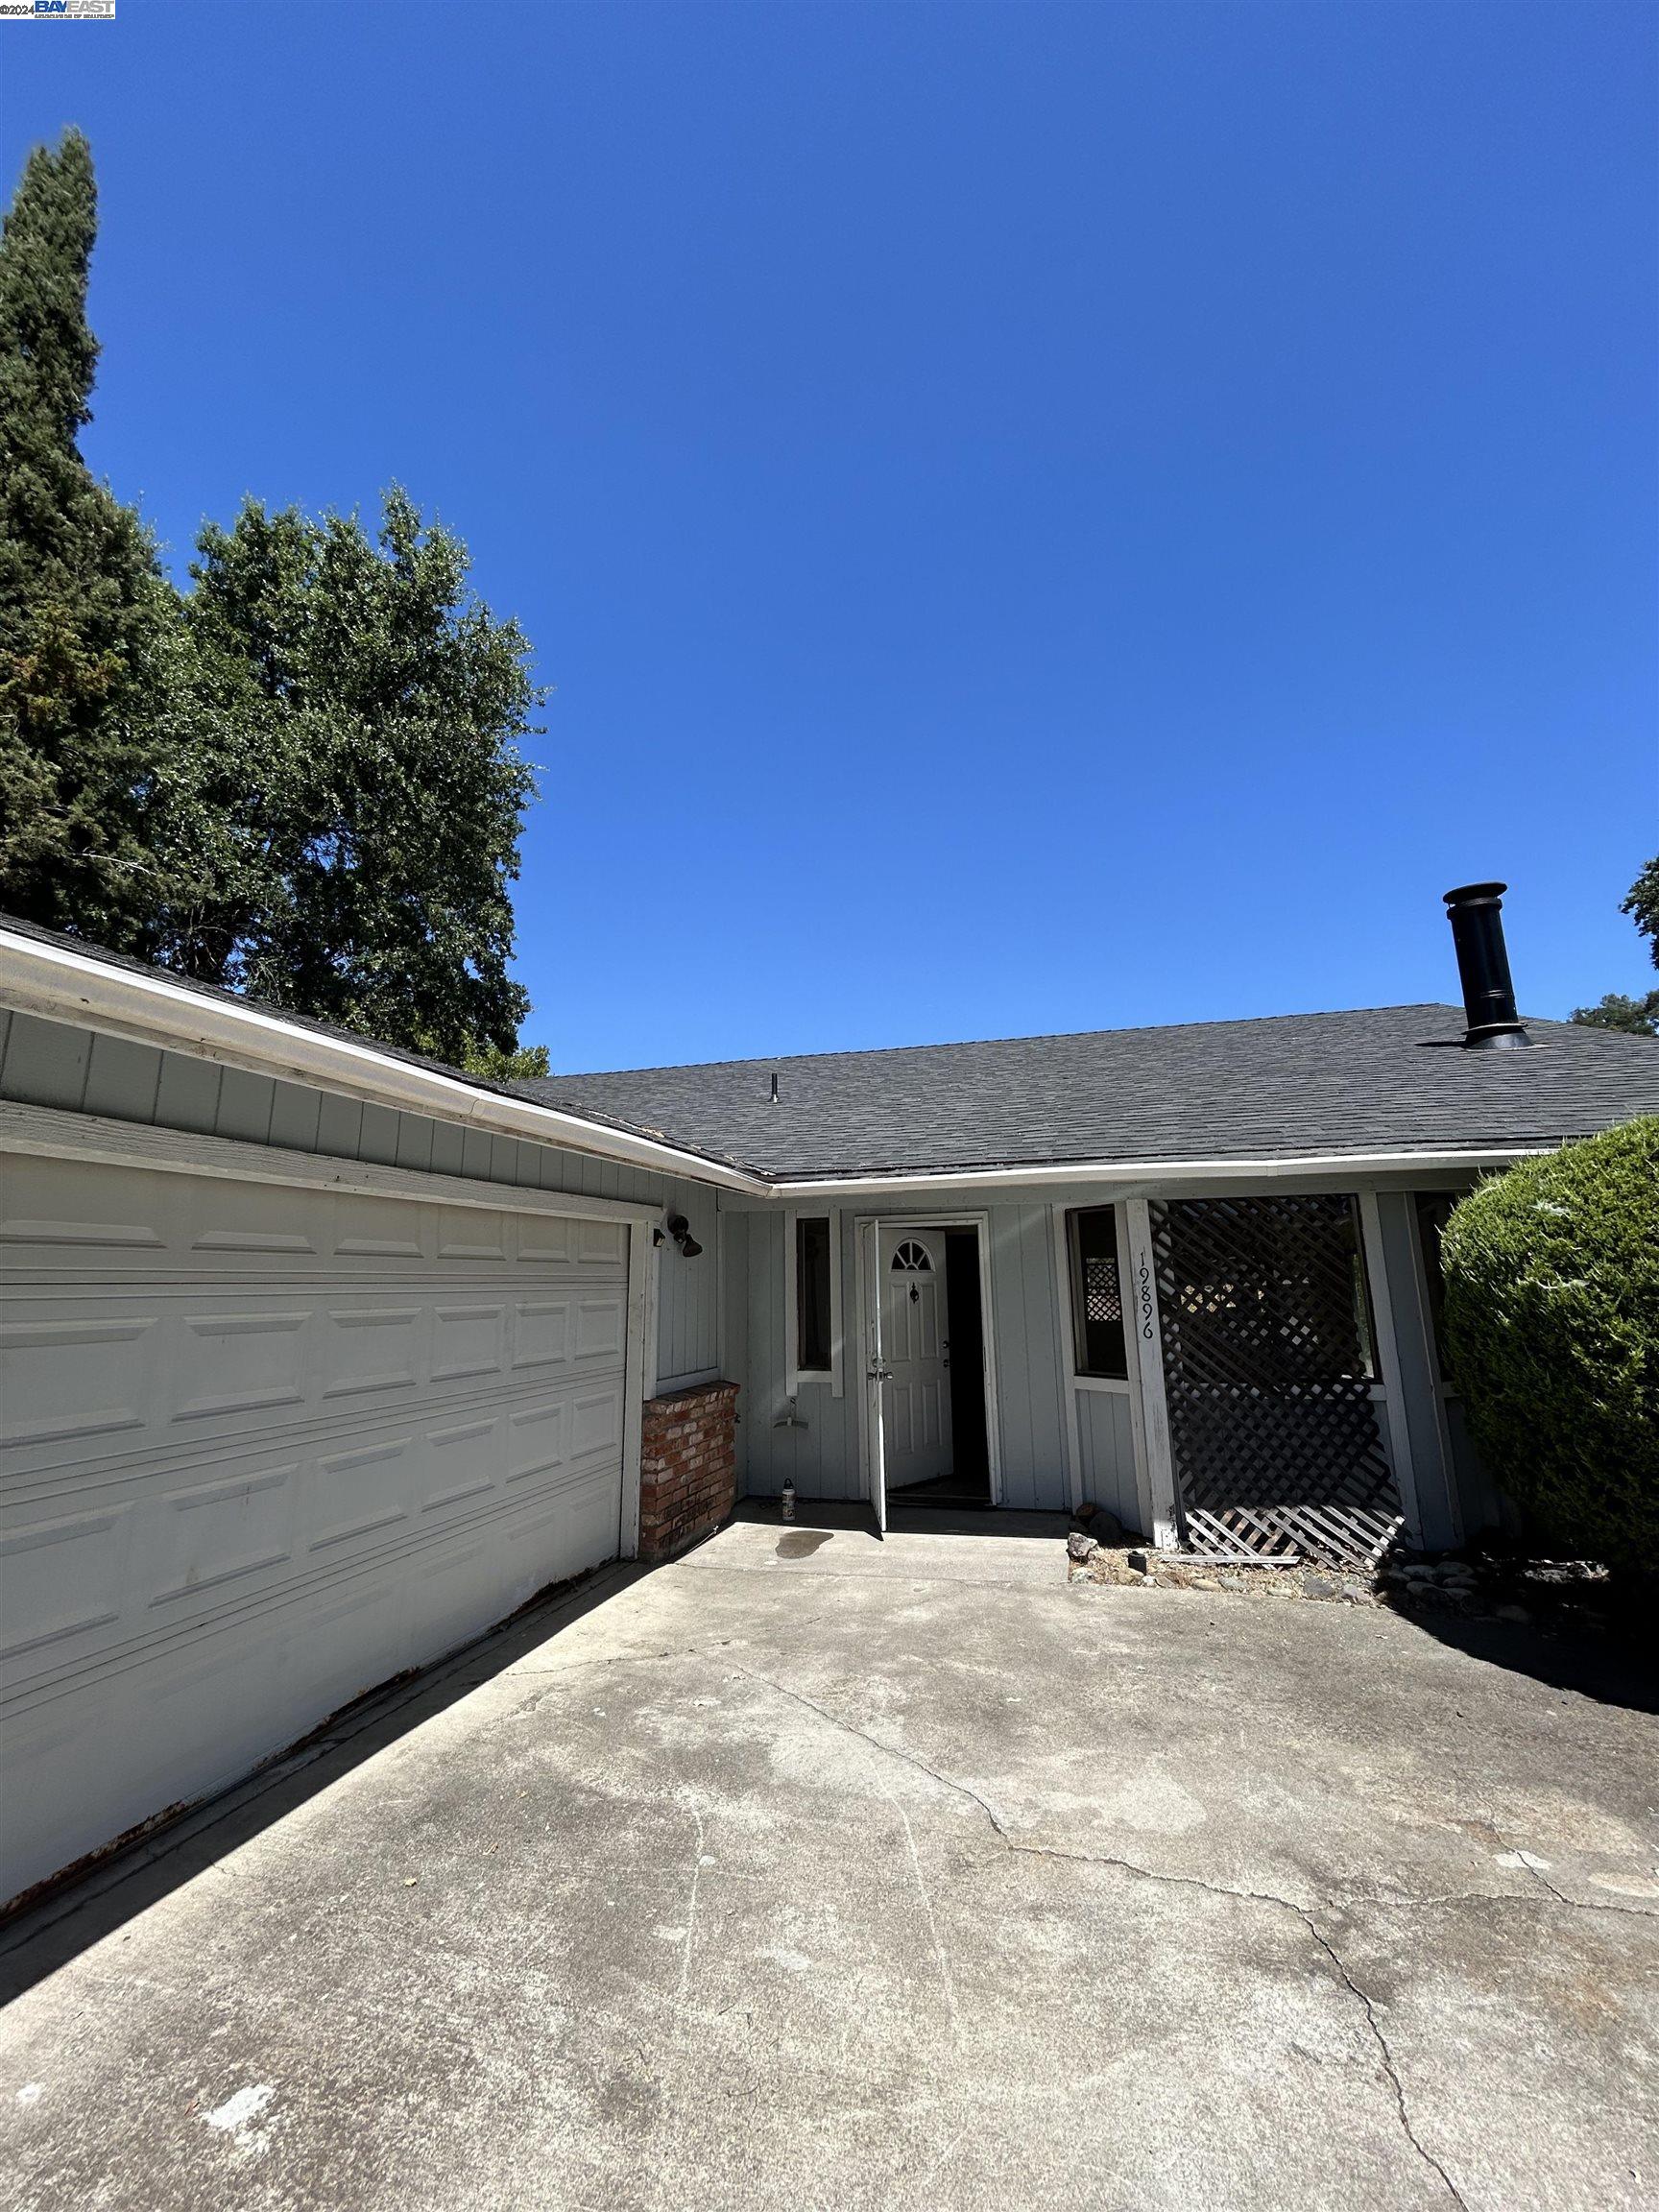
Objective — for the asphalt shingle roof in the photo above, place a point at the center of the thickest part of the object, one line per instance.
(1384, 1079)
(1380, 1079)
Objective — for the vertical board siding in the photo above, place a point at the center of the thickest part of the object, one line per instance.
(47, 1062)
(822, 1456)
(688, 1293)
(1407, 1295)
(734, 1229)
(123, 1079)
(187, 1095)
(246, 1104)
(58, 1064)
(1025, 1326)
(1106, 1443)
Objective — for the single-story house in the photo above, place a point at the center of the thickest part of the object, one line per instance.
(317, 1357)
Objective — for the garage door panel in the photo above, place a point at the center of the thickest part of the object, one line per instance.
(244, 1362)
(469, 1340)
(601, 1327)
(62, 1580)
(543, 1331)
(468, 1234)
(353, 1494)
(223, 1531)
(463, 1459)
(261, 1447)
(543, 1240)
(596, 1422)
(538, 1440)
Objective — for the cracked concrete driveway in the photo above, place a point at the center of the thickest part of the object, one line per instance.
(804, 1873)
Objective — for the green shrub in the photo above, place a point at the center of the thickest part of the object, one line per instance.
(1551, 1273)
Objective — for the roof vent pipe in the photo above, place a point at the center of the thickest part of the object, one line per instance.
(774, 1087)
(1477, 915)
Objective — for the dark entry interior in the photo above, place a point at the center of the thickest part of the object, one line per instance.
(969, 1481)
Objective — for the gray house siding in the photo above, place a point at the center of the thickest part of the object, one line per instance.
(1106, 1449)
(821, 1455)
(1046, 1460)
(83, 1071)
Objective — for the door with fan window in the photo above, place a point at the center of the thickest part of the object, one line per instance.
(915, 1357)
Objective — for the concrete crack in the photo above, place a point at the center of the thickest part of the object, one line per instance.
(1141, 1873)
(692, 1905)
(939, 1958)
(1383, 2051)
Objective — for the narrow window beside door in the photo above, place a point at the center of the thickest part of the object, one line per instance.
(812, 1331)
(1096, 1297)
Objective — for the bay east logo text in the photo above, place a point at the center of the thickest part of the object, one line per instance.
(71, 11)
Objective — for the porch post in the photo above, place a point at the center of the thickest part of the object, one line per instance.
(1142, 1303)
(1388, 1362)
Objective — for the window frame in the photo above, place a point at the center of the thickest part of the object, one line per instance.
(1081, 1371)
(794, 1373)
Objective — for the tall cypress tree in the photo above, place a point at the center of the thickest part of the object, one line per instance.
(83, 609)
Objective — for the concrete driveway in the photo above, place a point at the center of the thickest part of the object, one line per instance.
(804, 1873)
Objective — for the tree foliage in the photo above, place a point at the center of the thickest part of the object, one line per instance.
(1616, 1011)
(1642, 904)
(302, 778)
(1636, 1017)
(1551, 1307)
(356, 788)
(83, 609)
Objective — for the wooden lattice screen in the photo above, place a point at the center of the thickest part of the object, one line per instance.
(1267, 1371)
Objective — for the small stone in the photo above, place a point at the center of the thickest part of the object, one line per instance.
(1418, 1573)
(1107, 1528)
(1230, 1582)
(1320, 1586)
(1511, 1613)
(1081, 1546)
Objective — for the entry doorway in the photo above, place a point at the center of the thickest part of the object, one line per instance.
(928, 1392)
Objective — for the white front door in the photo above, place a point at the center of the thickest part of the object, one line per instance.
(915, 1355)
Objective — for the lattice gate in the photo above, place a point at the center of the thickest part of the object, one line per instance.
(1267, 1371)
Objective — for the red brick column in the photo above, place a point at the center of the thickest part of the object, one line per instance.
(688, 1467)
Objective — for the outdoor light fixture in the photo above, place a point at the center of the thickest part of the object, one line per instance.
(680, 1228)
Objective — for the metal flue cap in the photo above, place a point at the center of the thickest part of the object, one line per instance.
(1476, 911)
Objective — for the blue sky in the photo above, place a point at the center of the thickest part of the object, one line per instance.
(1037, 518)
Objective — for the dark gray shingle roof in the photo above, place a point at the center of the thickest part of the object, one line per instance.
(1384, 1079)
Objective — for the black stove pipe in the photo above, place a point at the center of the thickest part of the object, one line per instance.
(1476, 911)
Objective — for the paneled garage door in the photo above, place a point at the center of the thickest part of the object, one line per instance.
(263, 1447)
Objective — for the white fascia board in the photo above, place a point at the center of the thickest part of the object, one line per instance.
(1150, 1175)
(62, 985)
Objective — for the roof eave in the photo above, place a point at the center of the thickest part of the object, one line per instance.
(1046, 1174)
(61, 983)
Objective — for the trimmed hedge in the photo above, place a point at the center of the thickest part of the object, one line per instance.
(1552, 1274)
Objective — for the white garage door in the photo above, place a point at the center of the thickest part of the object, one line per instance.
(263, 1447)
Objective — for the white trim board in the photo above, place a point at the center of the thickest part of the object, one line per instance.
(53, 1133)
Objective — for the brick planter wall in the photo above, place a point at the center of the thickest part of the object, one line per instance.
(688, 1467)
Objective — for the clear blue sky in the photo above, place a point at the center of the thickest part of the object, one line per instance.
(1038, 516)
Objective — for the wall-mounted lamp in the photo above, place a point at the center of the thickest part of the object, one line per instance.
(680, 1228)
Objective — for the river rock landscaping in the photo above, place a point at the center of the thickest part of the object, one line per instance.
(1475, 1585)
